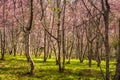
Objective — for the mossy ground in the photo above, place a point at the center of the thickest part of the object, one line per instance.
(16, 68)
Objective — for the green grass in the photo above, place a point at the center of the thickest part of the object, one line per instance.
(16, 68)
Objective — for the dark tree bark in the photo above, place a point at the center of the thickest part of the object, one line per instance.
(45, 46)
(117, 73)
(106, 11)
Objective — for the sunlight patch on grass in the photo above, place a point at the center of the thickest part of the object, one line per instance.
(16, 68)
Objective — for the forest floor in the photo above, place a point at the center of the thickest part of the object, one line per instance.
(16, 68)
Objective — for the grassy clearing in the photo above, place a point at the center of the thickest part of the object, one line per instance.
(16, 68)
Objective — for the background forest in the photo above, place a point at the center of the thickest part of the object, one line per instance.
(60, 39)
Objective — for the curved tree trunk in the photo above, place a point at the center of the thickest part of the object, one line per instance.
(27, 51)
(27, 38)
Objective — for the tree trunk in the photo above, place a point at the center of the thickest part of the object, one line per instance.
(2, 47)
(45, 46)
(59, 56)
(3, 37)
(27, 51)
(117, 73)
(97, 52)
(71, 49)
(27, 38)
(15, 47)
(90, 55)
(59, 34)
(63, 35)
(106, 10)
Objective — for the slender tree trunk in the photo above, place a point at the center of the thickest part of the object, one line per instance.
(63, 35)
(97, 52)
(3, 45)
(58, 33)
(2, 55)
(107, 49)
(56, 57)
(27, 51)
(45, 46)
(27, 39)
(15, 47)
(12, 44)
(117, 73)
(3, 37)
(59, 56)
(70, 53)
(90, 55)
(81, 49)
(106, 10)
